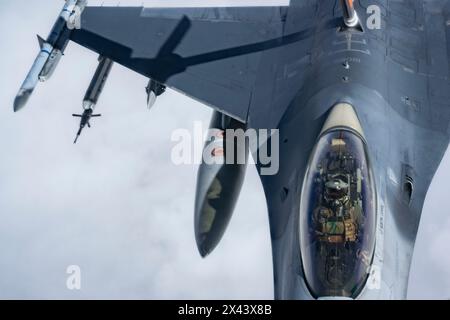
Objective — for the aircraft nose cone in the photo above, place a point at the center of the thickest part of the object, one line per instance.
(21, 100)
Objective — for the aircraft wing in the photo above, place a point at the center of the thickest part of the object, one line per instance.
(211, 54)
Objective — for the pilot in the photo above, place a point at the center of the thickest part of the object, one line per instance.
(336, 192)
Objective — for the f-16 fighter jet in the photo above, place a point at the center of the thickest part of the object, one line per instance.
(363, 113)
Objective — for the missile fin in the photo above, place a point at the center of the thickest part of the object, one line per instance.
(41, 41)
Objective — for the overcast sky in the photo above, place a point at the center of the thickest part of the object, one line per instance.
(116, 205)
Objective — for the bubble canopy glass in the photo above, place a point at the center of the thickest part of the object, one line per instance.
(338, 216)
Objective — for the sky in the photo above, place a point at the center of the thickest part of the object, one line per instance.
(116, 206)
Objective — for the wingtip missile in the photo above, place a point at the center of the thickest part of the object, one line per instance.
(32, 78)
(21, 99)
(51, 51)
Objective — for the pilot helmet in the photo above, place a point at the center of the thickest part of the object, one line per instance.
(336, 189)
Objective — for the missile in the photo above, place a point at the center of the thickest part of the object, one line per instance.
(50, 65)
(32, 78)
(93, 94)
(51, 51)
(98, 83)
(154, 90)
(86, 117)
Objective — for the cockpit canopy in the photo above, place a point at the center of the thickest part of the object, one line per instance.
(338, 216)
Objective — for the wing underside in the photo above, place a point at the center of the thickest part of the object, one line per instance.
(181, 49)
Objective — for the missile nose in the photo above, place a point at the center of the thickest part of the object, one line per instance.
(151, 100)
(21, 99)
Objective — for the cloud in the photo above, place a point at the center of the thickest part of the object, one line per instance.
(113, 204)
(116, 206)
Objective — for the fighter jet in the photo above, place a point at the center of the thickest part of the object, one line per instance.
(363, 115)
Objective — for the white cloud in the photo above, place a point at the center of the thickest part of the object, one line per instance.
(115, 205)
